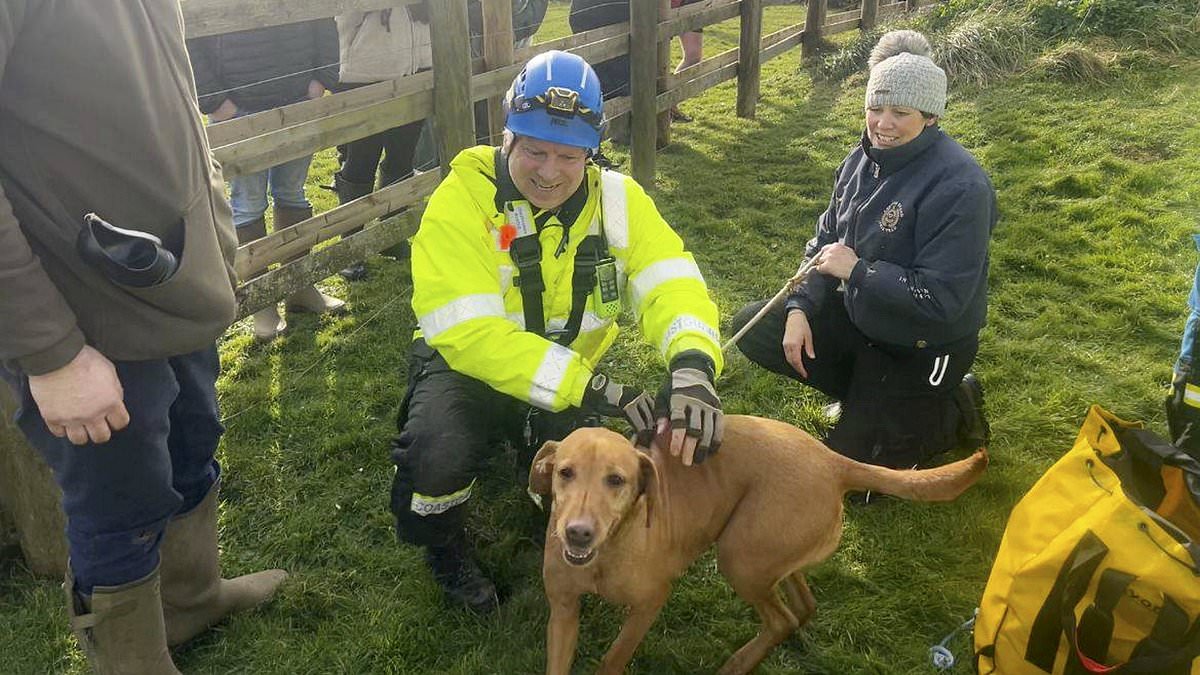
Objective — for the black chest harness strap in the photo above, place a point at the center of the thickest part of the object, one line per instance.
(526, 253)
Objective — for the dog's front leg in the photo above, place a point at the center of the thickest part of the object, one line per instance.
(639, 620)
(562, 635)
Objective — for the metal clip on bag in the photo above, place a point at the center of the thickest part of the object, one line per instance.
(126, 257)
(1099, 567)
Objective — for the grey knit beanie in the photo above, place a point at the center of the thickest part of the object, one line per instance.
(902, 73)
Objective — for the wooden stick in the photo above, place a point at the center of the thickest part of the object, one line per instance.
(802, 273)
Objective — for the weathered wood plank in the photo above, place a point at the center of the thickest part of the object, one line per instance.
(781, 41)
(749, 65)
(870, 13)
(813, 23)
(569, 42)
(497, 81)
(497, 52)
(213, 17)
(852, 23)
(273, 148)
(286, 279)
(892, 9)
(293, 241)
(454, 116)
(698, 15)
(257, 124)
(643, 80)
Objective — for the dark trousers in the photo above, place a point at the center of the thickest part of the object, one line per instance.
(396, 146)
(119, 495)
(897, 402)
(449, 425)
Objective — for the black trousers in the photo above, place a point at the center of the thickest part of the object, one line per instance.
(898, 405)
(449, 425)
(396, 146)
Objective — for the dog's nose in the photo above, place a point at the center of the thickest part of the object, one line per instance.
(579, 534)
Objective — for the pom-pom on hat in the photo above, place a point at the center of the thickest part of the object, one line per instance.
(903, 74)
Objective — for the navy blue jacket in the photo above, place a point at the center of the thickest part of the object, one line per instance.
(919, 217)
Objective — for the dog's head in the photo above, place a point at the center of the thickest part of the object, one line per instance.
(596, 478)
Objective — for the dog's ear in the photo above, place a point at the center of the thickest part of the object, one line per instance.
(649, 485)
(541, 471)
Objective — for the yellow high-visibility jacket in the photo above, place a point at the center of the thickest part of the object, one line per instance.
(471, 312)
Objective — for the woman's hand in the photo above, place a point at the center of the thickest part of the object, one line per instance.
(836, 260)
(797, 341)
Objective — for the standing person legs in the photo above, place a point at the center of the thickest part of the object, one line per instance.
(292, 207)
(248, 198)
(355, 179)
(119, 497)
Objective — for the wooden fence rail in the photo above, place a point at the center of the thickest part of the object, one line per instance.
(285, 261)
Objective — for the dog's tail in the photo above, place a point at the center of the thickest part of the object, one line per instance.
(939, 484)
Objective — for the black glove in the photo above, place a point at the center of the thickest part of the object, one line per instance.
(605, 397)
(689, 399)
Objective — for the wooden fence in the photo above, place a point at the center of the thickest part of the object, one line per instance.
(255, 142)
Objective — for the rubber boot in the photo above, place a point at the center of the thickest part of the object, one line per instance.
(268, 324)
(120, 628)
(308, 299)
(194, 596)
(348, 191)
(463, 584)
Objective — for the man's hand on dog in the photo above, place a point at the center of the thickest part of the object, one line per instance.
(690, 403)
(605, 397)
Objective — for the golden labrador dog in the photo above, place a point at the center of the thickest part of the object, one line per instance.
(624, 524)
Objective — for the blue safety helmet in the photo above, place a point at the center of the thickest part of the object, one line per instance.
(556, 98)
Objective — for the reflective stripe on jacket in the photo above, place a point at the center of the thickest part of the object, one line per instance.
(470, 309)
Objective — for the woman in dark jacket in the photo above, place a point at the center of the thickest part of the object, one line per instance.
(889, 322)
(252, 71)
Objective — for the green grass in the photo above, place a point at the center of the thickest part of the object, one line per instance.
(1098, 187)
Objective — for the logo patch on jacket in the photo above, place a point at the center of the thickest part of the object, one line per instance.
(891, 217)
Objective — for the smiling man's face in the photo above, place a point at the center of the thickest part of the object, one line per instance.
(546, 173)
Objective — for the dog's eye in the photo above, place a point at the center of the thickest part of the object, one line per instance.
(614, 480)
(566, 473)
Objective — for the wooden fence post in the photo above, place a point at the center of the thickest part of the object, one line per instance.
(749, 61)
(814, 22)
(30, 497)
(643, 82)
(453, 111)
(870, 14)
(497, 52)
(663, 118)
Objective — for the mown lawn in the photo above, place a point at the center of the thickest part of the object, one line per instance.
(1098, 184)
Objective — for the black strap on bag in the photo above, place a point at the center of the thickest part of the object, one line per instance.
(1056, 619)
(1168, 635)
(1096, 624)
(1046, 632)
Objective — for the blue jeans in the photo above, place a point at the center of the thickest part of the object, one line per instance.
(118, 496)
(1187, 346)
(248, 194)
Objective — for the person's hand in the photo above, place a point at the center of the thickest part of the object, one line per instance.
(798, 341)
(83, 400)
(690, 403)
(315, 89)
(836, 260)
(605, 397)
(227, 111)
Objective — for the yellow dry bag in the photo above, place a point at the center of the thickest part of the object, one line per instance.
(1099, 567)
